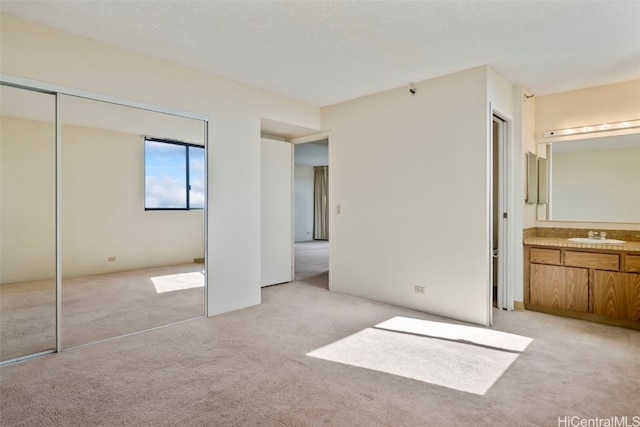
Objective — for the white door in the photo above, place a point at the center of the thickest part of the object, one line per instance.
(276, 211)
(500, 223)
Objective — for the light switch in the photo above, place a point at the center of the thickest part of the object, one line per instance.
(338, 209)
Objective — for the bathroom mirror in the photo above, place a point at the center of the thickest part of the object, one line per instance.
(543, 185)
(532, 178)
(592, 179)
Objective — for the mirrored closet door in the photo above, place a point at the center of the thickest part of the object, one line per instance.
(102, 213)
(28, 223)
(132, 220)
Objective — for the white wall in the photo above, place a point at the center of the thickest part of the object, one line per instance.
(524, 214)
(234, 110)
(27, 200)
(528, 136)
(303, 203)
(603, 104)
(411, 176)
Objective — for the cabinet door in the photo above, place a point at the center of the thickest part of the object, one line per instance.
(617, 294)
(560, 287)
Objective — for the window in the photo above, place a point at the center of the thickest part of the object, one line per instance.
(174, 175)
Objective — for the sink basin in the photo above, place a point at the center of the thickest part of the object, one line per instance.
(594, 241)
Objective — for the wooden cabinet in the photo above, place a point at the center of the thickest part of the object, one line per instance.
(600, 285)
(592, 260)
(560, 287)
(632, 263)
(616, 294)
(545, 256)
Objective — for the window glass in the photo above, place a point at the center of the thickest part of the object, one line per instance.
(196, 177)
(165, 175)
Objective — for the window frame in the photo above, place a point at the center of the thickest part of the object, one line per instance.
(188, 146)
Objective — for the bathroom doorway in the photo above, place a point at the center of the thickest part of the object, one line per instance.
(499, 212)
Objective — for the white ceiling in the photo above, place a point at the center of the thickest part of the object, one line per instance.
(325, 52)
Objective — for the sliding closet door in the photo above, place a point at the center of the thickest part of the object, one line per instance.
(133, 238)
(27, 218)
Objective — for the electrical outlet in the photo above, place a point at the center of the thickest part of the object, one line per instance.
(419, 289)
(111, 259)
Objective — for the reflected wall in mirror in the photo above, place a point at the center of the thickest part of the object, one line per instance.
(594, 179)
(126, 268)
(532, 178)
(28, 221)
(543, 187)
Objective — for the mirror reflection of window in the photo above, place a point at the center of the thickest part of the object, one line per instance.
(127, 268)
(174, 175)
(196, 177)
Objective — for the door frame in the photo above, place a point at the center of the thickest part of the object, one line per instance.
(303, 140)
(506, 224)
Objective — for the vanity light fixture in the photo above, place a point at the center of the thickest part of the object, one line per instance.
(595, 128)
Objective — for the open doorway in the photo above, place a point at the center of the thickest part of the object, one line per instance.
(499, 215)
(311, 212)
(289, 243)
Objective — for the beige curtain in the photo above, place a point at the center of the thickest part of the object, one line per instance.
(321, 203)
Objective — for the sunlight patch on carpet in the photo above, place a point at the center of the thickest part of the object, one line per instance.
(460, 357)
(178, 282)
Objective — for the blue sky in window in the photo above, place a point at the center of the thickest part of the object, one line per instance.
(165, 175)
(196, 178)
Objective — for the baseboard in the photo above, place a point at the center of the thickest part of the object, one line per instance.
(585, 316)
(198, 260)
(518, 305)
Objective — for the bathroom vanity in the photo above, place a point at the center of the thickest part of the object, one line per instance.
(590, 280)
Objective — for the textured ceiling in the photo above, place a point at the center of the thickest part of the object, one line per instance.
(324, 52)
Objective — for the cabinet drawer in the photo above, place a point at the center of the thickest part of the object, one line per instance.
(632, 263)
(592, 260)
(545, 256)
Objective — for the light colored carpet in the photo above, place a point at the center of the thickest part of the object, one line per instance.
(312, 262)
(27, 318)
(469, 361)
(251, 368)
(97, 307)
